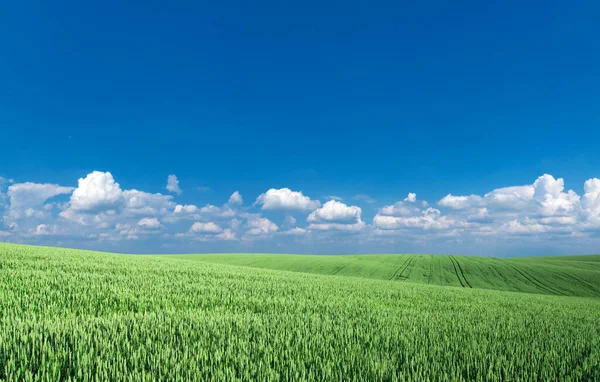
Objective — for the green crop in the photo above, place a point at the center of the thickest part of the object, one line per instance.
(564, 276)
(80, 315)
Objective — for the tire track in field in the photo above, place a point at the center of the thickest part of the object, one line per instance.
(507, 281)
(461, 271)
(552, 288)
(339, 269)
(489, 279)
(592, 287)
(407, 264)
(430, 269)
(456, 271)
(534, 281)
(411, 269)
(399, 268)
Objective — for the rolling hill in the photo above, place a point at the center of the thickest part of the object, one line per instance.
(81, 315)
(567, 276)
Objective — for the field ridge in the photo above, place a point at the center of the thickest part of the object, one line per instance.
(555, 276)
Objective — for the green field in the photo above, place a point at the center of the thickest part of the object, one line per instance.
(566, 276)
(67, 314)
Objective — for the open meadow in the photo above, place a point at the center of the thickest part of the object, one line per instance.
(69, 314)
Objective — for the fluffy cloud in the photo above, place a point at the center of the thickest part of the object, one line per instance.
(286, 199)
(412, 197)
(509, 198)
(209, 227)
(139, 203)
(336, 216)
(334, 211)
(352, 227)
(187, 209)
(45, 230)
(261, 227)
(590, 203)
(407, 207)
(150, 223)
(235, 199)
(227, 234)
(173, 184)
(541, 208)
(297, 231)
(99, 209)
(221, 212)
(99, 203)
(429, 219)
(460, 202)
(27, 199)
(97, 191)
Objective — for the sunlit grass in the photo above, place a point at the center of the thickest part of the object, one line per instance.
(92, 316)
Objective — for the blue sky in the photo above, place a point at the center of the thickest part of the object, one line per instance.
(364, 103)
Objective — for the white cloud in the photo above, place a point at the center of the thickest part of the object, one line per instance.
(429, 219)
(510, 198)
(334, 211)
(235, 223)
(45, 230)
(209, 227)
(543, 205)
(97, 191)
(590, 203)
(546, 185)
(173, 184)
(407, 207)
(27, 199)
(399, 209)
(98, 209)
(352, 227)
(412, 197)
(150, 223)
(261, 227)
(297, 231)
(518, 228)
(286, 199)
(187, 209)
(224, 212)
(143, 203)
(460, 202)
(227, 234)
(190, 211)
(336, 216)
(235, 199)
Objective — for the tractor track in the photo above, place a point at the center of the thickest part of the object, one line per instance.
(339, 269)
(410, 270)
(456, 271)
(400, 268)
(430, 269)
(461, 272)
(592, 287)
(535, 281)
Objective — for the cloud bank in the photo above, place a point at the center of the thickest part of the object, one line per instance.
(100, 212)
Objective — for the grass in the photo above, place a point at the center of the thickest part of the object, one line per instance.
(67, 314)
(567, 276)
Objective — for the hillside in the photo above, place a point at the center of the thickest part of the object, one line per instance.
(568, 276)
(79, 315)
